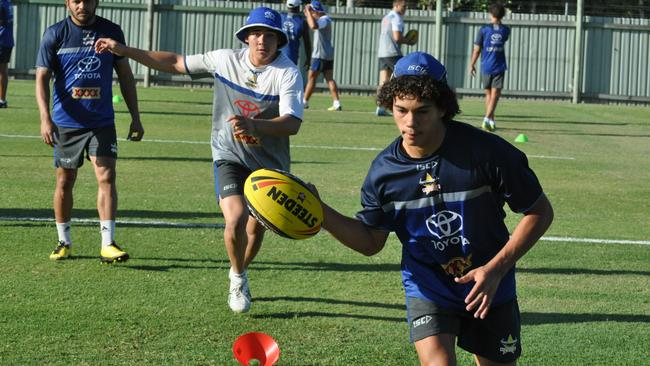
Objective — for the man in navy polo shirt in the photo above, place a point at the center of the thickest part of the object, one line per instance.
(490, 45)
(296, 28)
(441, 187)
(82, 121)
(6, 45)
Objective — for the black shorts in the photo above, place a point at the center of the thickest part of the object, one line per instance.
(70, 144)
(388, 63)
(5, 54)
(318, 64)
(230, 178)
(493, 81)
(497, 337)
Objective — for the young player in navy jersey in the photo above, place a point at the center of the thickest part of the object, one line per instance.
(257, 106)
(82, 121)
(490, 44)
(441, 187)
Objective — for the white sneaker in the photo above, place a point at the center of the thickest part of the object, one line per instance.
(239, 298)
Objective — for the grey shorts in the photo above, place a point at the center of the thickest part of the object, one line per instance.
(5, 54)
(388, 63)
(230, 178)
(497, 337)
(493, 81)
(71, 145)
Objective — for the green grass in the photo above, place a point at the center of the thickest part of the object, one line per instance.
(582, 303)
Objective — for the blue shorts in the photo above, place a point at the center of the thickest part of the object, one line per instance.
(318, 64)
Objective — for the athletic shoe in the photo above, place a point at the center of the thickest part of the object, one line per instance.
(239, 298)
(3, 105)
(489, 125)
(62, 251)
(113, 253)
(335, 109)
(306, 105)
(381, 112)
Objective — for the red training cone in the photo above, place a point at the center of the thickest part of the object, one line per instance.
(256, 346)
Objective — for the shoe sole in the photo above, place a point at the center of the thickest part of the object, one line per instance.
(120, 259)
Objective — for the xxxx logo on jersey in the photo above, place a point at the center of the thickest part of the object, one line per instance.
(86, 93)
(456, 266)
(247, 109)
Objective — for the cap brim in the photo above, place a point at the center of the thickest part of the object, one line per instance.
(242, 33)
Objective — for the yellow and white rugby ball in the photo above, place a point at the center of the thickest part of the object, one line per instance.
(412, 36)
(283, 203)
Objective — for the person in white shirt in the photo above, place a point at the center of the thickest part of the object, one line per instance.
(257, 106)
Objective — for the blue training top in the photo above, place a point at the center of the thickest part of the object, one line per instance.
(293, 25)
(492, 39)
(83, 89)
(447, 209)
(6, 24)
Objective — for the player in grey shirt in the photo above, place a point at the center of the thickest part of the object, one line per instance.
(322, 56)
(390, 40)
(257, 106)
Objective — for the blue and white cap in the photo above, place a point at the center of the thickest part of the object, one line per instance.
(419, 64)
(266, 18)
(317, 6)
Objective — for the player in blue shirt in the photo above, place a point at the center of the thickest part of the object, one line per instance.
(82, 121)
(296, 28)
(6, 46)
(441, 187)
(490, 45)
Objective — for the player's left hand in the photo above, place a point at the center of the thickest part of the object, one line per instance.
(242, 125)
(480, 297)
(136, 131)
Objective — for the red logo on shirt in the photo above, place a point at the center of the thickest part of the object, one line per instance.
(248, 110)
(456, 266)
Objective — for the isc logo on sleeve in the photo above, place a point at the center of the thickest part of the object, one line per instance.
(86, 93)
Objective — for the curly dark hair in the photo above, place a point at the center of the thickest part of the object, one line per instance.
(422, 88)
(497, 10)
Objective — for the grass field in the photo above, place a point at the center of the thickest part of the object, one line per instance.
(583, 302)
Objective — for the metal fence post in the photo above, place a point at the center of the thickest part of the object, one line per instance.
(577, 56)
(438, 47)
(149, 39)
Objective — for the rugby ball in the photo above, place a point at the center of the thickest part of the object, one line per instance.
(282, 203)
(412, 36)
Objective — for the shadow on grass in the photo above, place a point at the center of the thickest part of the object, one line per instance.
(331, 302)
(568, 132)
(168, 158)
(559, 318)
(320, 314)
(166, 113)
(582, 271)
(81, 213)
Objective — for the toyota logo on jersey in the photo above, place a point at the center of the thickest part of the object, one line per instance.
(89, 64)
(444, 224)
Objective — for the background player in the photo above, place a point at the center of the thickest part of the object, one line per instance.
(82, 121)
(296, 28)
(6, 45)
(390, 40)
(441, 187)
(490, 45)
(257, 106)
(322, 58)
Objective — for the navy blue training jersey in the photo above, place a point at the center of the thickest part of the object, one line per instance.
(293, 25)
(447, 209)
(82, 95)
(492, 39)
(6, 24)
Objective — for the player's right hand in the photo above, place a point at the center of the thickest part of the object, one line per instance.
(472, 70)
(110, 45)
(47, 132)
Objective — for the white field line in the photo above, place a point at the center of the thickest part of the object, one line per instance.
(181, 225)
(321, 147)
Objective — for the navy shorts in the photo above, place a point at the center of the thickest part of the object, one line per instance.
(493, 81)
(497, 337)
(388, 63)
(318, 64)
(71, 145)
(230, 178)
(5, 54)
